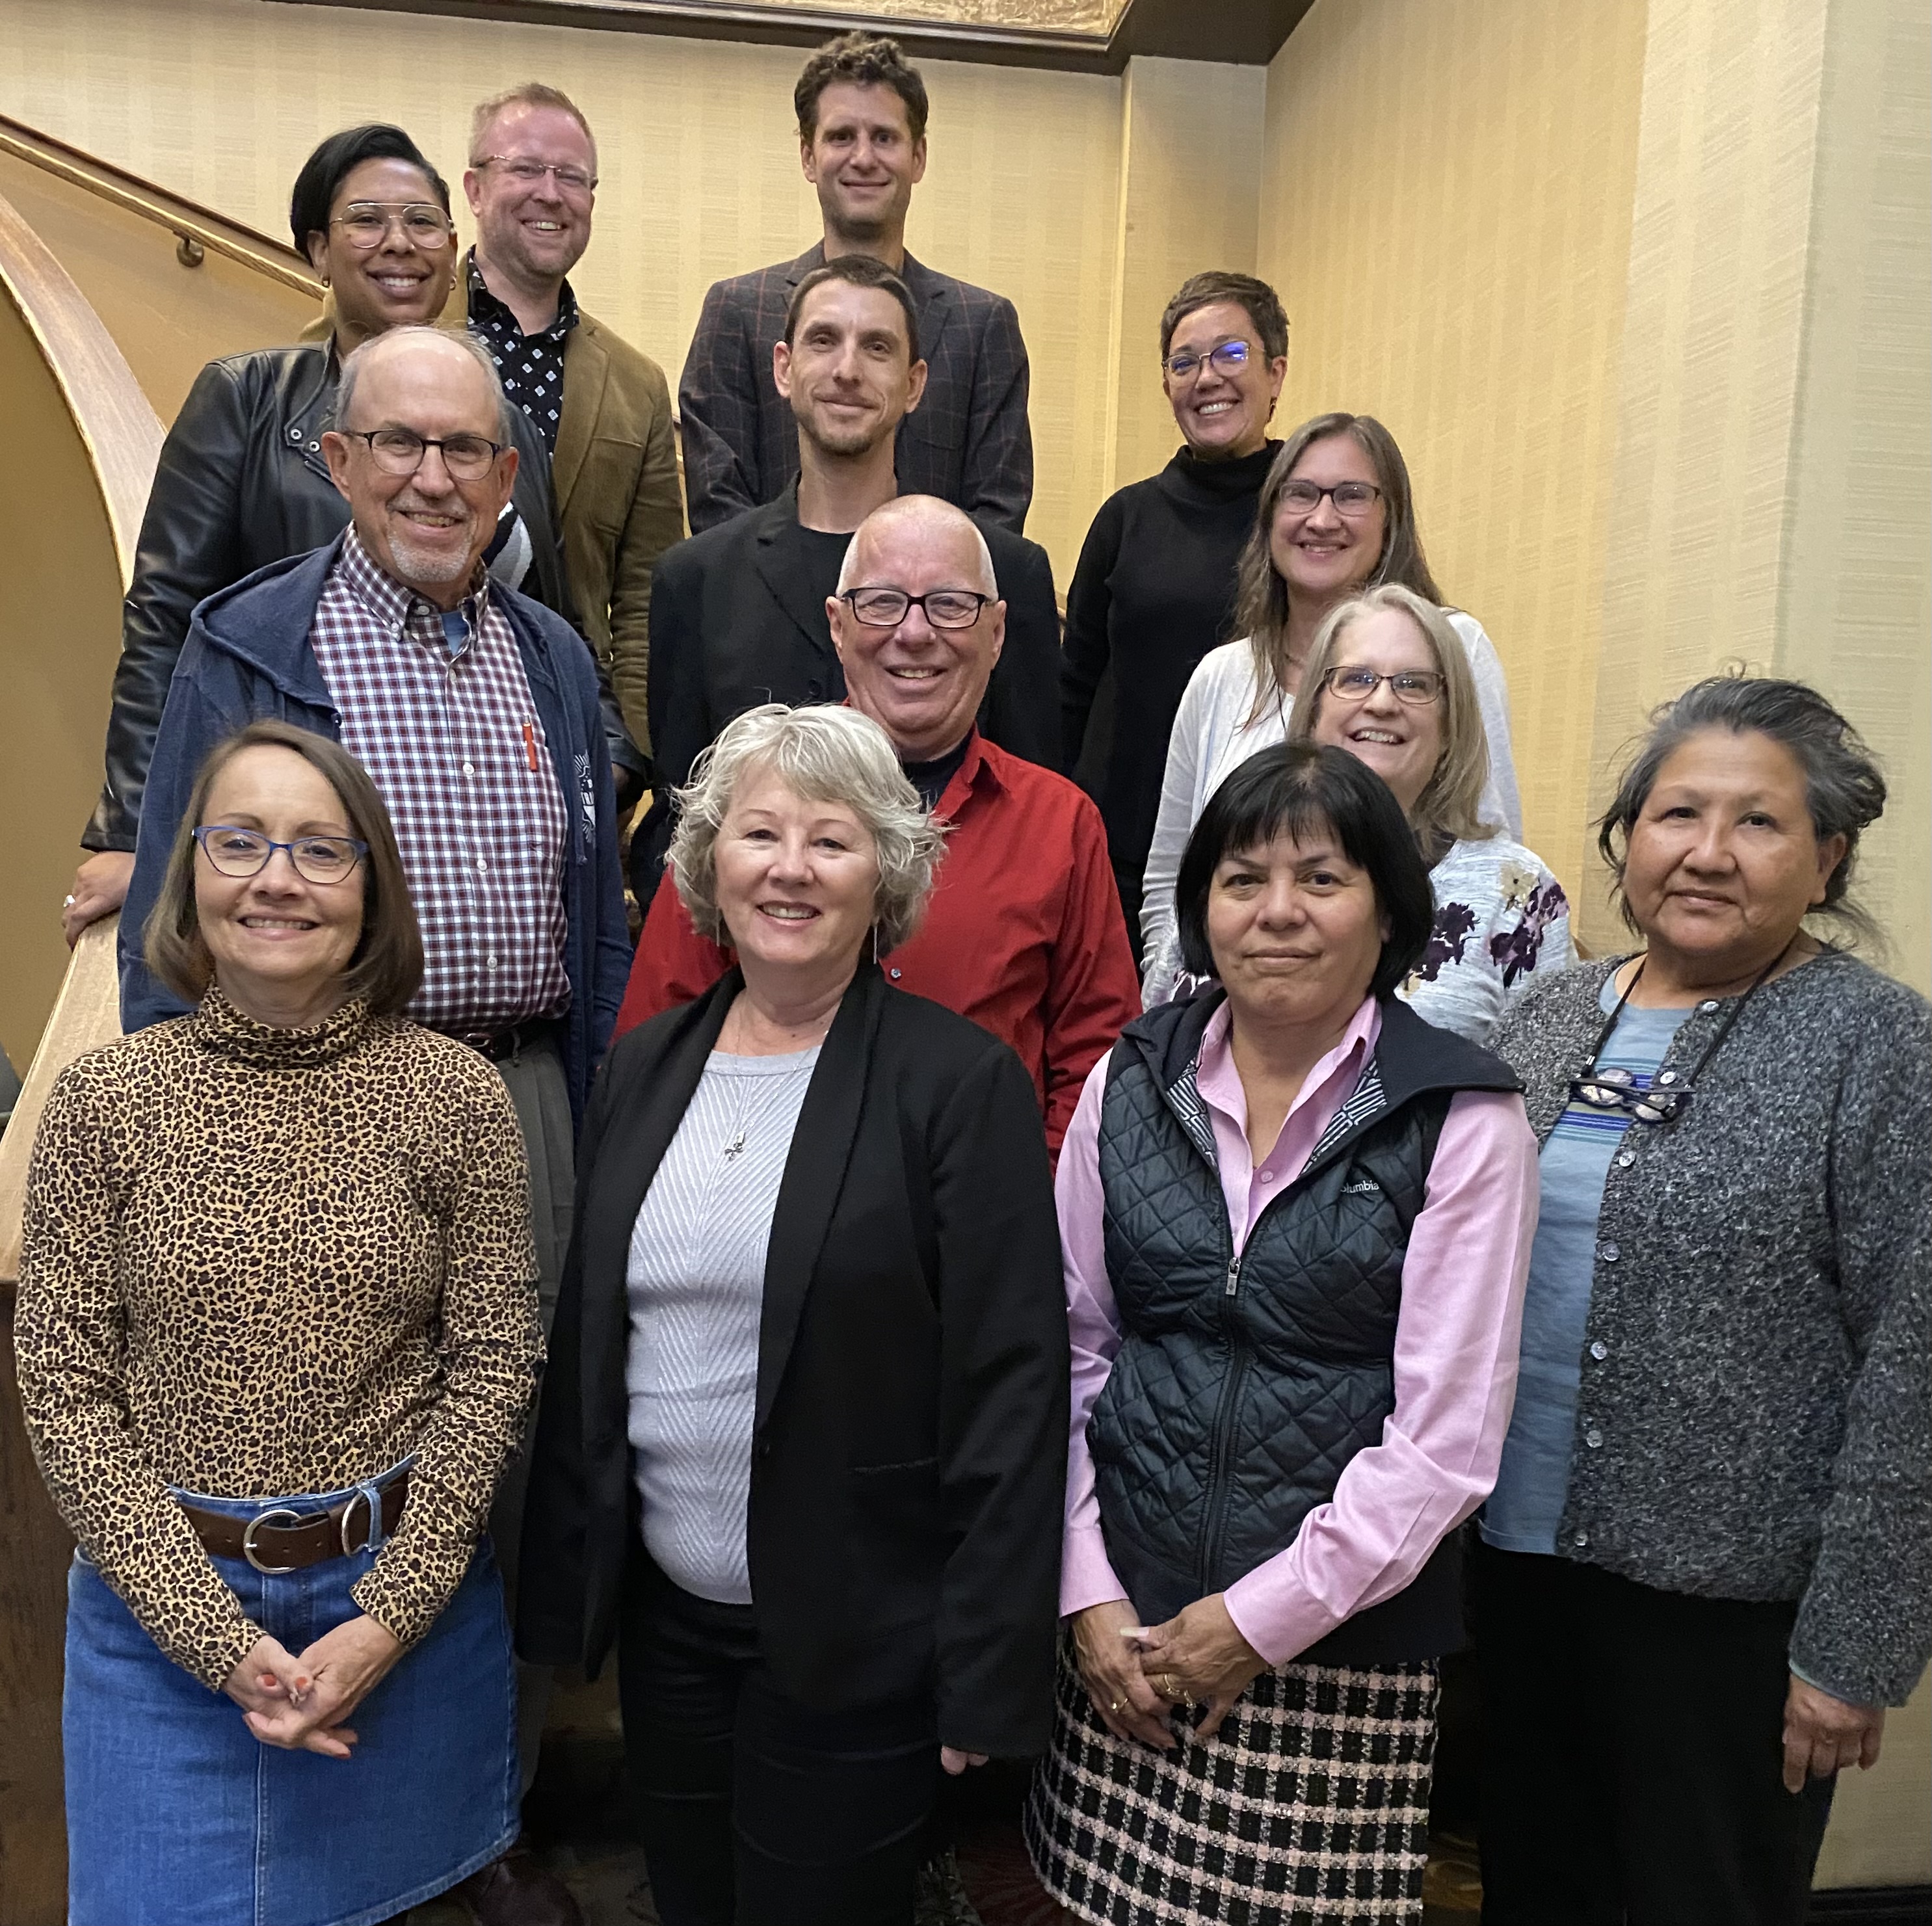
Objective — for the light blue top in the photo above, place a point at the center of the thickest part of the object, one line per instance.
(1526, 1508)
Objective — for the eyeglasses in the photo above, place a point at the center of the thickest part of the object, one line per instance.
(571, 180)
(1418, 687)
(945, 608)
(1227, 357)
(366, 224)
(1618, 1089)
(234, 852)
(1351, 498)
(400, 450)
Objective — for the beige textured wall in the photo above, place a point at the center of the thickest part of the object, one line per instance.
(221, 100)
(1189, 200)
(1446, 211)
(1773, 486)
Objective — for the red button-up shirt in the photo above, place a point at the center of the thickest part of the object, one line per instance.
(1024, 933)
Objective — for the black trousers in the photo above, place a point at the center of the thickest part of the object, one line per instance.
(1632, 1744)
(757, 1812)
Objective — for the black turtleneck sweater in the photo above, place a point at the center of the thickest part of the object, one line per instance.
(1154, 592)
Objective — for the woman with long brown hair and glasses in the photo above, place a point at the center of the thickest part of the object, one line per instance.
(241, 481)
(1336, 517)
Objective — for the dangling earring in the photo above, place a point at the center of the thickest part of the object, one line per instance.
(875, 946)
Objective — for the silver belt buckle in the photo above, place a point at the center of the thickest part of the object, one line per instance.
(348, 1513)
(255, 1524)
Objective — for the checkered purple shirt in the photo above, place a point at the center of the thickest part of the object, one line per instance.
(437, 709)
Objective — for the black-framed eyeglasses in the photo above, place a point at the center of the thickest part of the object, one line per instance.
(1418, 687)
(1351, 498)
(1229, 359)
(400, 450)
(1619, 1090)
(520, 167)
(239, 852)
(1669, 1096)
(945, 608)
(366, 224)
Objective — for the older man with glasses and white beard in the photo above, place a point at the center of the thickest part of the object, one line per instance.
(475, 711)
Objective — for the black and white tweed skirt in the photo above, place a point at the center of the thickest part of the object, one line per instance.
(1310, 1804)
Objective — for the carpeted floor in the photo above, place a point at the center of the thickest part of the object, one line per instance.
(580, 1823)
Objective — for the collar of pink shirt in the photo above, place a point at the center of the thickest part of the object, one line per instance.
(1247, 1186)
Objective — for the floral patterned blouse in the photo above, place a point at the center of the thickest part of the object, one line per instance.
(1500, 918)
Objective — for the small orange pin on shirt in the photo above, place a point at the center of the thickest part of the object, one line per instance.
(530, 746)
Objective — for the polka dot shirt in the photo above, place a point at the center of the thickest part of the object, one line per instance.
(531, 365)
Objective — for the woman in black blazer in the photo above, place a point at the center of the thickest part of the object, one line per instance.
(803, 1446)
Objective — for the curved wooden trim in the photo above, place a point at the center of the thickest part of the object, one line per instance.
(118, 424)
(86, 1013)
(186, 220)
(122, 436)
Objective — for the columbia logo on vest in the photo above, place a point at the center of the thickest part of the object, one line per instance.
(1363, 1186)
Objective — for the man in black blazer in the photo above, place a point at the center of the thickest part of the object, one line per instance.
(862, 114)
(738, 614)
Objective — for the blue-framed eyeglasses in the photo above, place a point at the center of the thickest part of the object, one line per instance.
(239, 852)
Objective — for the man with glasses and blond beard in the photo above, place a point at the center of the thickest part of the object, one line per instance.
(475, 710)
(603, 409)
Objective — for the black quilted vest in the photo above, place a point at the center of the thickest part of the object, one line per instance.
(1241, 1390)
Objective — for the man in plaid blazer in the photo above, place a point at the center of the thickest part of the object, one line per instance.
(862, 114)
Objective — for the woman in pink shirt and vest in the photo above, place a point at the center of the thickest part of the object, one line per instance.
(1296, 1220)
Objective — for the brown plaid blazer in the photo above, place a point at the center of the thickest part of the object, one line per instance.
(968, 441)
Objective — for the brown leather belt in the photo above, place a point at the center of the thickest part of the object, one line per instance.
(279, 1541)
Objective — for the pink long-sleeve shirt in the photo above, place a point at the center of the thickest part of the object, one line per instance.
(1456, 1340)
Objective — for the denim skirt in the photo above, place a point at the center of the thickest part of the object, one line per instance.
(178, 1816)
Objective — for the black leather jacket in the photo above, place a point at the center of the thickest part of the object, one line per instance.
(240, 483)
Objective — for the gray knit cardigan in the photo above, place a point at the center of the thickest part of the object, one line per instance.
(1755, 1418)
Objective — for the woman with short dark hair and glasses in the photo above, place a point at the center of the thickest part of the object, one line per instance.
(1154, 588)
(1386, 681)
(1295, 1220)
(1336, 517)
(242, 481)
(280, 1246)
(1706, 1567)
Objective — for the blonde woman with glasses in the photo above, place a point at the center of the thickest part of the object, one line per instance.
(1336, 517)
(1386, 680)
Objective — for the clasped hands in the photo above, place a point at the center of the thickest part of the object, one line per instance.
(301, 1703)
(1136, 1674)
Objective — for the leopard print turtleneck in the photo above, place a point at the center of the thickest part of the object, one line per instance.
(267, 1262)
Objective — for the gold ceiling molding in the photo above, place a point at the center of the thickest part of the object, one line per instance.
(1076, 36)
(1098, 18)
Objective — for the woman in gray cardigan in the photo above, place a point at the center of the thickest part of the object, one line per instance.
(1706, 1567)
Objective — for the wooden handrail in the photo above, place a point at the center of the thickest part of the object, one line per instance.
(86, 1013)
(121, 433)
(188, 221)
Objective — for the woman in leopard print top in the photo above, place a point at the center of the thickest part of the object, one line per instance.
(280, 1246)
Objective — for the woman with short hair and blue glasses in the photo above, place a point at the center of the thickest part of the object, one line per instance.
(277, 1334)
(1154, 588)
